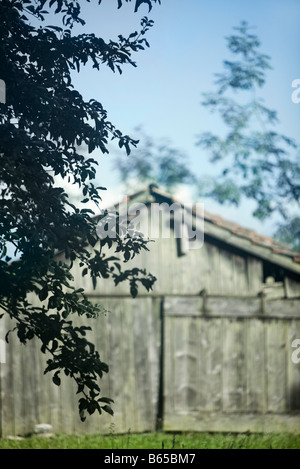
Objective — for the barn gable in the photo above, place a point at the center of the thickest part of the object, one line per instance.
(232, 260)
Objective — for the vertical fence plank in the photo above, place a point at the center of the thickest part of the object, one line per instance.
(209, 366)
(276, 365)
(255, 274)
(140, 327)
(214, 273)
(240, 283)
(102, 327)
(256, 366)
(234, 379)
(192, 364)
(118, 367)
(42, 388)
(7, 382)
(169, 363)
(181, 365)
(129, 378)
(29, 386)
(156, 359)
(293, 359)
(227, 272)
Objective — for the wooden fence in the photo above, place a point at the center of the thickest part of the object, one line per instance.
(176, 362)
(228, 365)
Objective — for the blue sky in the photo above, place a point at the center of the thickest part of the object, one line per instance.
(163, 94)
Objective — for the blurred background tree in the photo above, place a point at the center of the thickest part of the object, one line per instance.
(155, 162)
(259, 163)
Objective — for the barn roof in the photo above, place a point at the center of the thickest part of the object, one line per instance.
(231, 234)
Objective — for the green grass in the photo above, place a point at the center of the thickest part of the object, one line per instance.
(164, 441)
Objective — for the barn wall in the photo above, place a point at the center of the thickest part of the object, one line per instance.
(292, 287)
(216, 267)
(226, 367)
(127, 337)
(211, 267)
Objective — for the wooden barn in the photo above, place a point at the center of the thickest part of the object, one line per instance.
(211, 348)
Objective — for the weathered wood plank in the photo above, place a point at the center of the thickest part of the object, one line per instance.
(230, 306)
(292, 287)
(255, 366)
(169, 364)
(273, 291)
(18, 365)
(192, 358)
(117, 369)
(143, 327)
(240, 275)
(166, 263)
(197, 271)
(282, 308)
(220, 306)
(209, 364)
(234, 365)
(42, 388)
(101, 337)
(183, 306)
(69, 400)
(213, 306)
(151, 260)
(7, 381)
(185, 364)
(55, 397)
(29, 386)
(226, 272)
(293, 380)
(276, 342)
(156, 358)
(214, 279)
(255, 275)
(129, 378)
(233, 422)
(180, 364)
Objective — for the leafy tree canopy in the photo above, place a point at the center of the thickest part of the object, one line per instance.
(258, 162)
(43, 123)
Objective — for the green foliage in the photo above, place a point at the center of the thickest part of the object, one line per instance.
(43, 124)
(155, 162)
(289, 232)
(160, 441)
(258, 162)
